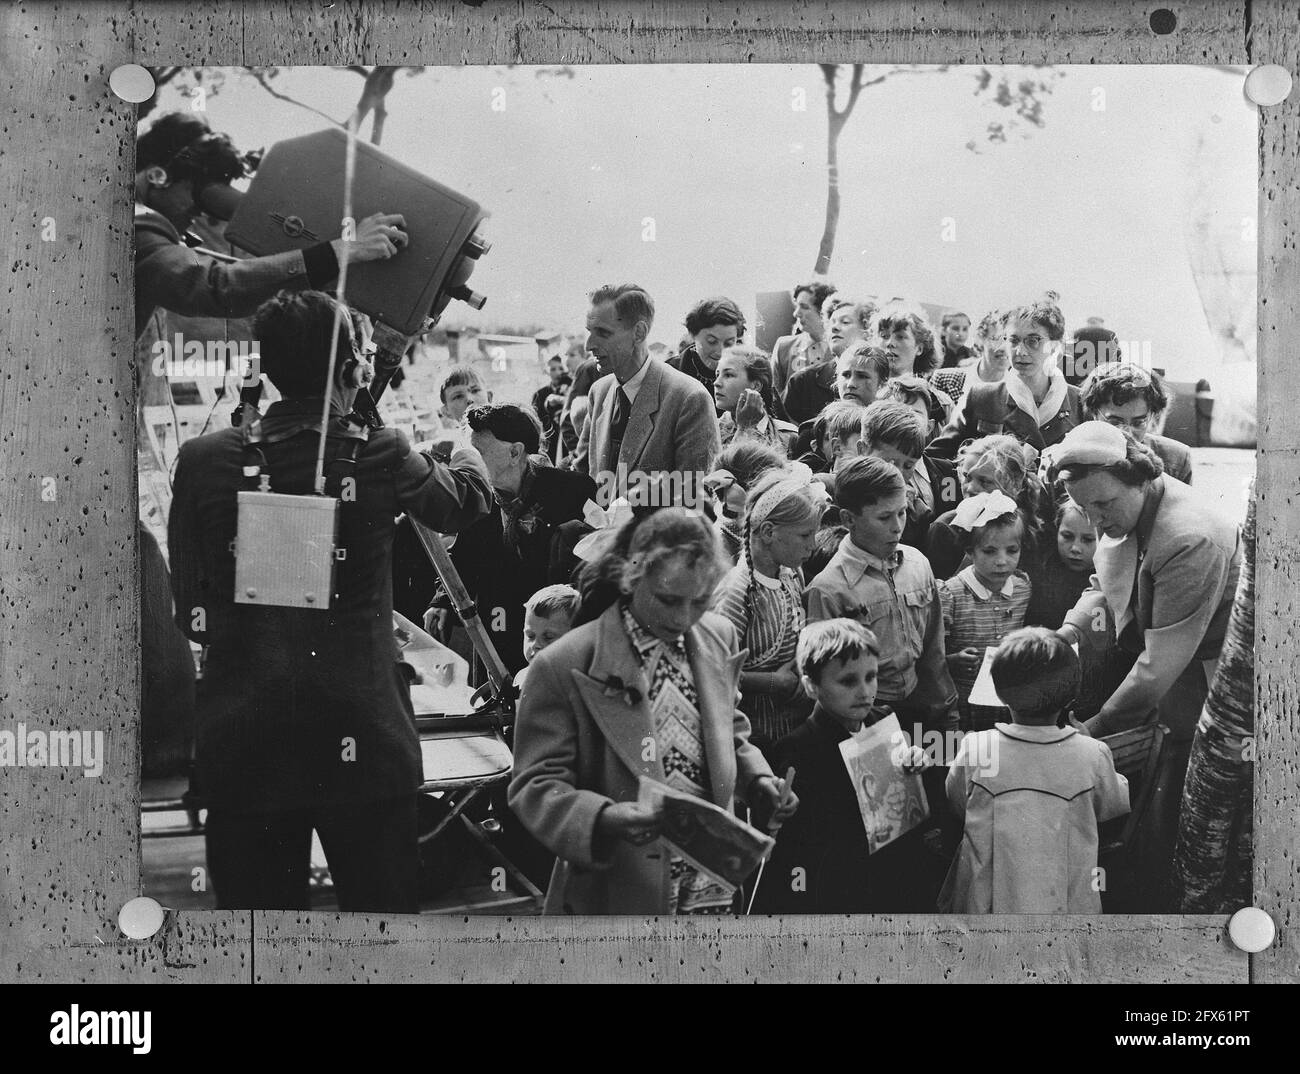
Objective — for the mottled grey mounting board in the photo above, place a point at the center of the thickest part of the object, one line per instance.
(70, 847)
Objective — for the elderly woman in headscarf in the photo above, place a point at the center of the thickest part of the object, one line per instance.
(1165, 571)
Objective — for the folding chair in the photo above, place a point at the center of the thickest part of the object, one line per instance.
(1137, 753)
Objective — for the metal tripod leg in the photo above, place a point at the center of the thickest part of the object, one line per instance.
(511, 869)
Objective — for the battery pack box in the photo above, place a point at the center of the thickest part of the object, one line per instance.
(285, 550)
(295, 200)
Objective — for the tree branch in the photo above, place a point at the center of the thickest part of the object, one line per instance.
(266, 85)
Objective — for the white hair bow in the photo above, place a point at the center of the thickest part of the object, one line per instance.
(605, 523)
(981, 509)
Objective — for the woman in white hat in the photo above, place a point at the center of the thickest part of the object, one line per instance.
(1165, 572)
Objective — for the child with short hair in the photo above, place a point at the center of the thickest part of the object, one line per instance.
(895, 432)
(815, 446)
(762, 596)
(888, 587)
(843, 433)
(822, 862)
(548, 616)
(461, 390)
(994, 464)
(986, 601)
(1032, 792)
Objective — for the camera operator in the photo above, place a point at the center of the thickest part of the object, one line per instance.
(304, 718)
(183, 168)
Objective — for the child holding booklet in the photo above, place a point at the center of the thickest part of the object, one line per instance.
(1032, 793)
(986, 601)
(822, 862)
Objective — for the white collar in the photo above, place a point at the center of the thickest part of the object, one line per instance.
(967, 575)
(1036, 732)
(765, 581)
(1020, 394)
(633, 384)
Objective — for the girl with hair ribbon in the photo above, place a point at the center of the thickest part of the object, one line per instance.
(987, 600)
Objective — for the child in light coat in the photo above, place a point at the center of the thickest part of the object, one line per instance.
(1032, 793)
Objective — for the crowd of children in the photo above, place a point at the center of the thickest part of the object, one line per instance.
(901, 554)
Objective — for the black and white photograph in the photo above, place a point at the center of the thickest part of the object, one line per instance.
(523, 448)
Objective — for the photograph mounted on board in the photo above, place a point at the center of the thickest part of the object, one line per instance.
(822, 444)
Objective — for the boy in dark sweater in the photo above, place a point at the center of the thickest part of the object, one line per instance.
(822, 862)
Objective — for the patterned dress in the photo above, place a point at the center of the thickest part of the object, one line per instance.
(770, 631)
(976, 618)
(675, 712)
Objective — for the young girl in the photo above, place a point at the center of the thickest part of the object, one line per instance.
(746, 405)
(1063, 572)
(763, 598)
(995, 464)
(985, 601)
(1057, 582)
(735, 471)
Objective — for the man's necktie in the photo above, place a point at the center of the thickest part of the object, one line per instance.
(618, 421)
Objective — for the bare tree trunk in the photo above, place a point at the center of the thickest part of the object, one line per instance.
(1212, 860)
(827, 247)
(835, 120)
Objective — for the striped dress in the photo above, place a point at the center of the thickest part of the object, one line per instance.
(770, 631)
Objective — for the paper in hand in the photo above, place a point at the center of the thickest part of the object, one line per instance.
(892, 803)
(983, 692)
(711, 839)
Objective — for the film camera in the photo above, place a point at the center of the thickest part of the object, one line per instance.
(296, 200)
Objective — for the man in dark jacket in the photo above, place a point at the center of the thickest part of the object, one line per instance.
(304, 719)
(520, 547)
(182, 169)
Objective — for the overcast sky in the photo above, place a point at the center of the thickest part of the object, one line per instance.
(1096, 204)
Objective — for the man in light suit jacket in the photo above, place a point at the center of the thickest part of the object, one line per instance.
(644, 417)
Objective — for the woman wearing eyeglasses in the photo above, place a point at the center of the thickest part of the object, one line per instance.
(1132, 399)
(1032, 402)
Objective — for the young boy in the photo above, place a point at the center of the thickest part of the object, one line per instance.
(895, 432)
(822, 862)
(461, 390)
(843, 432)
(889, 588)
(1032, 792)
(548, 616)
(548, 400)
